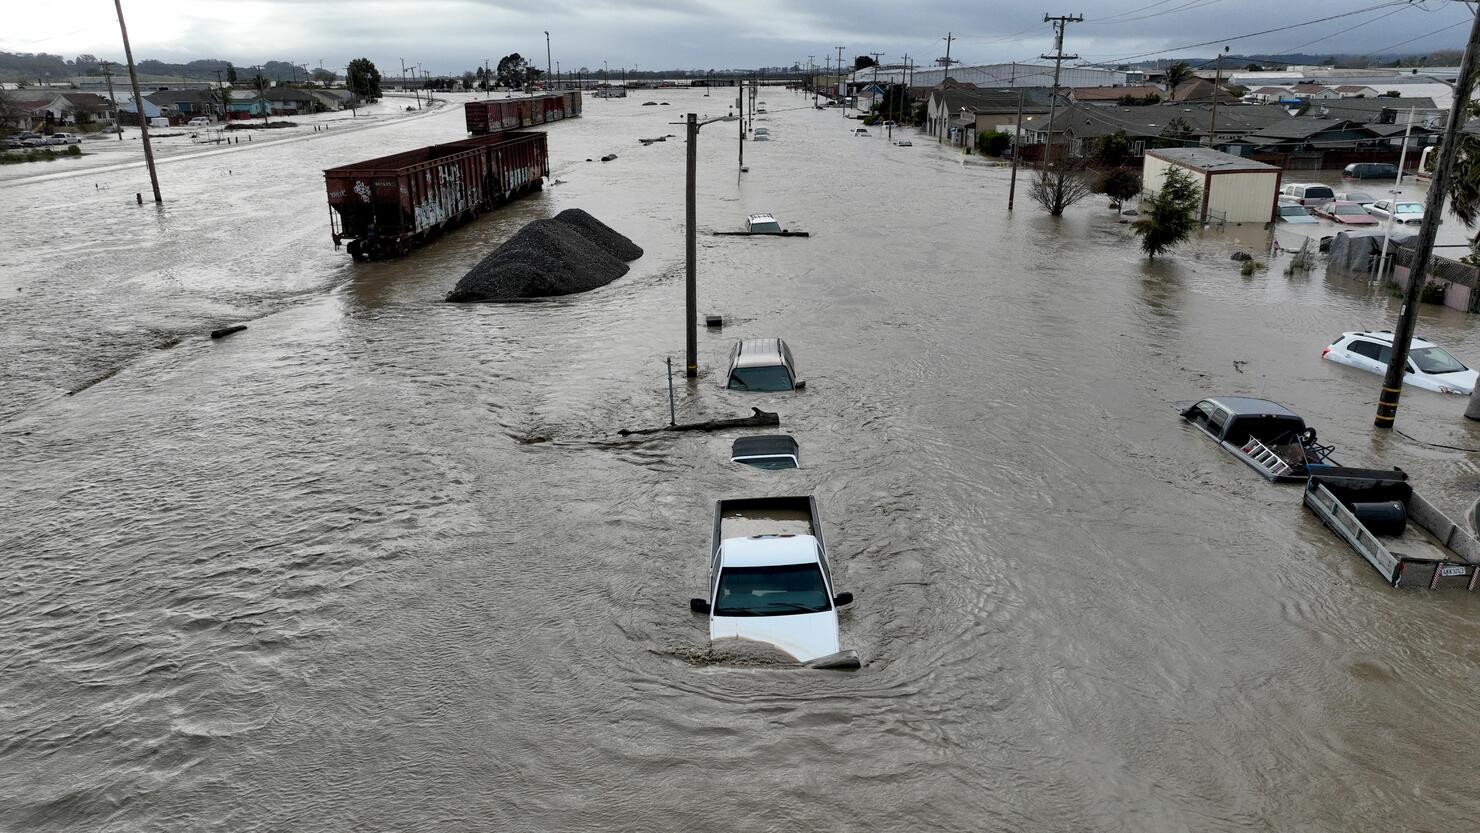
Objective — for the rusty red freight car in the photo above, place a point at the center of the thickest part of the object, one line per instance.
(493, 115)
(386, 206)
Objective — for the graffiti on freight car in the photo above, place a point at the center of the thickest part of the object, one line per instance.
(444, 197)
(362, 189)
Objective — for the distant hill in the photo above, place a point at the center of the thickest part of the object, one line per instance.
(40, 66)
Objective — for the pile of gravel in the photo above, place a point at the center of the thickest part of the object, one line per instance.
(571, 252)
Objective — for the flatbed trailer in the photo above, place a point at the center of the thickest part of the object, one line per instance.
(1430, 550)
(497, 114)
(386, 206)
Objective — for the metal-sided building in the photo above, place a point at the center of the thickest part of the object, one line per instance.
(1234, 189)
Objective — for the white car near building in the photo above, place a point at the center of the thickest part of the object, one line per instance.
(1430, 366)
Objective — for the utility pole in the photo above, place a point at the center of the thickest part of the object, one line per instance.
(1058, 57)
(904, 77)
(548, 76)
(262, 94)
(1433, 212)
(221, 88)
(108, 74)
(133, 77)
(1387, 230)
(691, 248)
(1213, 119)
(487, 81)
(946, 62)
(1017, 143)
(422, 78)
(842, 109)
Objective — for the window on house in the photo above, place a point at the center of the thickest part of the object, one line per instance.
(1138, 147)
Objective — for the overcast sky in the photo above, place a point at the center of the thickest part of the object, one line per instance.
(453, 35)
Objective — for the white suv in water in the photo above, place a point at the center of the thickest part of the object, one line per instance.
(1429, 366)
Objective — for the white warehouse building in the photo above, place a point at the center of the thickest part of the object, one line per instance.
(1003, 76)
(1234, 189)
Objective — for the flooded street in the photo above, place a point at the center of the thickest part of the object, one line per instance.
(320, 575)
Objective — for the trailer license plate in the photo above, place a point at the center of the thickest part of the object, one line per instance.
(1451, 570)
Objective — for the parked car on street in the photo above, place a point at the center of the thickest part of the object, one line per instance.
(1370, 170)
(1306, 193)
(1293, 213)
(1345, 213)
(33, 140)
(1361, 197)
(1402, 211)
(762, 364)
(904, 143)
(199, 121)
(1430, 366)
(64, 139)
(860, 131)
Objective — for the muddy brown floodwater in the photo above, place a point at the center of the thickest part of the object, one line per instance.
(313, 577)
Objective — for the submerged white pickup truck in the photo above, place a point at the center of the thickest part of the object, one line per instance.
(770, 581)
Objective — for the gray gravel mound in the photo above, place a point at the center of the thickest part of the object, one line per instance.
(601, 234)
(573, 252)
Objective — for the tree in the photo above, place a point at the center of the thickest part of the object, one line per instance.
(1253, 68)
(1058, 187)
(1119, 184)
(1329, 62)
(1176, 74)
(1392, 94)
(1464, 177)
(1172, 215)
(364, 79)
(1112, 150)
(230, 74)
(1177, 133)
(512, 71)
(863, 62)
(993, 142)
(1138, 100)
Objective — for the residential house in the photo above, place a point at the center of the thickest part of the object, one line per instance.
(245, 104)
(1317, 92)
(960, 115)
(289, 101)
(1106, 96)
(1355, 91)
(129, 114)
(1268, 95)
(189, 103)
(27, 109)
(1381, 109)
(327, 100)
(1200, 91)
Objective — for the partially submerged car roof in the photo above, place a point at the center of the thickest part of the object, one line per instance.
(764, 445)
(1250, 406)
(759, 352)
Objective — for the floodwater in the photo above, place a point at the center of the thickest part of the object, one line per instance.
(321, 576)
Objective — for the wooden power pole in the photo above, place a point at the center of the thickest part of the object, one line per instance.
(1058, 57)
(133, 77)
(1433, 212)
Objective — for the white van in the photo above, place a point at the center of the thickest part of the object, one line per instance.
(1306, 193)
(199, 121)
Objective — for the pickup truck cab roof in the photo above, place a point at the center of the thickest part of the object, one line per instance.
(766, 451)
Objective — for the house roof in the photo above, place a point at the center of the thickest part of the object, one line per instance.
(287, 94)
(1300, 127)
(1093, 121)
(1207, 159)
(89, 102)
(1364, 108)
(179, 96)
(1310, 88)
(1352, 88)
(1271, 90)
(1201, 89)
(1112, 93)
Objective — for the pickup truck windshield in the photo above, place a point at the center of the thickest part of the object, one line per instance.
(782, 590)
(771, 378)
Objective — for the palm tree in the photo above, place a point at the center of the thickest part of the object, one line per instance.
(1176, 74)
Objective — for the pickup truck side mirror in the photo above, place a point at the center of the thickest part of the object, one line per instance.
(802, 385)
(698, 606)
(844, 598)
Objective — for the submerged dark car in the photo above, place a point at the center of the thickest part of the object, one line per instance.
(1270, 438)
(767, 451)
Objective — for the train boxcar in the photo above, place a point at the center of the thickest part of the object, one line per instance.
(493, 115)
(386, 206)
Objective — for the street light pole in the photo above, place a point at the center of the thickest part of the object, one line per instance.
(1392, 382)
(691, 248)
(548, 76)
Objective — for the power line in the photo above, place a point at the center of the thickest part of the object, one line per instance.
(1388, 4)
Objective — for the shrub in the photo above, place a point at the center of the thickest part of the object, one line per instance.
(993, 142)
(1432, 293)
(1119, 184)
